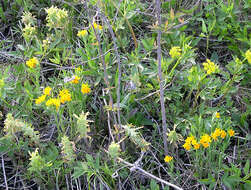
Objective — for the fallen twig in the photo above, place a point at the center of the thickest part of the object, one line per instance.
(135, 167)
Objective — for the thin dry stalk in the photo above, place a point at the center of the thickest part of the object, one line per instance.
(114, 39)
(4, 174)
(162, 102)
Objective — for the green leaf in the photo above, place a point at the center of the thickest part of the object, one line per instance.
(231, 181)
(80, 169)
(5, 145)
(204, 27)
(247, 185)
(207, 181)
(246, 167)
(154, 185)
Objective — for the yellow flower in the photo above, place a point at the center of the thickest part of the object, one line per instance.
(217, 115)
(196, 146)
(65, 96)
(194, 142)
(210, 67)
(190, 139)
(85, 89)
(62, 92)
(32, 62)
(40, 99)
(216, 134)
(75, 80)
(78, 69)
(205, 144)
(175, 52)
(47, 91)
(248, 56)
(205, 140)
(187, 146)
(82, 33)
(231, 132)
(168, 158)
(223, 134)
(96, 26)
(53, 102)
(49, 102)
(56, 103)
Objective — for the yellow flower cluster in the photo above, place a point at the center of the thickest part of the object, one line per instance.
(175, 52)
(85, 89)
(218, 132)
(248, 56)
(47, 92)
(53, 102)
(205, 139)
(191, 141)
(231, 132)
(82, 33)
(40, 99)
(210, 67)
(64, 96)
(217, 115)
(32, 62)
(168, 158)
(75, 79)
(96, 26)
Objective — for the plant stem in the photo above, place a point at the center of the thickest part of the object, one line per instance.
(114, 39)
(162, 102)
(105, 73)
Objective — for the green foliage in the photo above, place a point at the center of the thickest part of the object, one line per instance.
(66, 61)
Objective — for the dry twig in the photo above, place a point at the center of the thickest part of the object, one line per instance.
(162, 102)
